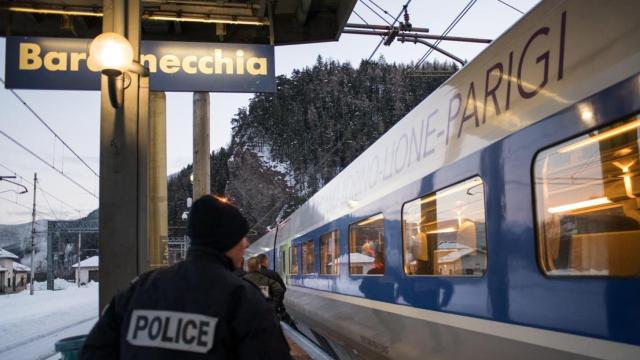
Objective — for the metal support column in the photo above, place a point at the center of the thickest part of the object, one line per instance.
(158, 226)
(123, 164)
(33, 235)
(201, 146)
(50, 277)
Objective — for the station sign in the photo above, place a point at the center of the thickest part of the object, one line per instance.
(61, 64)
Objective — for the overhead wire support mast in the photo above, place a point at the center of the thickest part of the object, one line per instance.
(403, 38)
(42, 190)
(33, 231)
(364, 21)
(420, 36)
(385, 27)
(404, 8)
(6, 178)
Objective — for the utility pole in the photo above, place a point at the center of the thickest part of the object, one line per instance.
(79, 256)
(33, 231)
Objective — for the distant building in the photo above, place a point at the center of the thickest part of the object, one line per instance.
(457, 259)
(13, 275)
(359, 263)
(88, 270)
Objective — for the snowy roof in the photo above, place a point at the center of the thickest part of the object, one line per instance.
(356, 258)
(4, 254)
(20, 268)
(90, 262)
(455, 255)
(451, 245)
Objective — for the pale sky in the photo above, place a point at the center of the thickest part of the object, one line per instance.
(74, 115)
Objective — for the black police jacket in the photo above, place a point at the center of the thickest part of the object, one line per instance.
(196, 309)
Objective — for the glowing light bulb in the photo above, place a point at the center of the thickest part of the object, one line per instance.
(111, 51)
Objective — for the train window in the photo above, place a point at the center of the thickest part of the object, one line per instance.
(444, 232)
(588, 203)
(293, 252)
(307, 257)
(329, 253)
(366, 246)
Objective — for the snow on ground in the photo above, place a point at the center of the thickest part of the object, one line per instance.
(58, 284)
(30, 325)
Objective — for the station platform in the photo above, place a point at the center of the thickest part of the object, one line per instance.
(296, 352)
(301, 347)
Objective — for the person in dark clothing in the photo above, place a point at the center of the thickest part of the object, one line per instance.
(378, 264)
(271, 289)
(263, 259)
(196, 309)
(281, 311)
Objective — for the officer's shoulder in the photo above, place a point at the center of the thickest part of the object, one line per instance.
(149, 275)
(144, 276)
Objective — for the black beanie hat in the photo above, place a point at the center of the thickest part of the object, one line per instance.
(216, 224)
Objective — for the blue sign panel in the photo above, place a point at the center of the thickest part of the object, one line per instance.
(61, 64)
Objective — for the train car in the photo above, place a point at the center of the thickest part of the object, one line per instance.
(499, 218)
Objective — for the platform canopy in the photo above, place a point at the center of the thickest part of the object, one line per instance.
(277, 22)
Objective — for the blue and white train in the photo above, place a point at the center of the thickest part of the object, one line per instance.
(499, 219)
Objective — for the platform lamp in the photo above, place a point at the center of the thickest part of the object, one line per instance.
(112, 54)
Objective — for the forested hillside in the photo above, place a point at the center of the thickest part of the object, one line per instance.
(286, 146)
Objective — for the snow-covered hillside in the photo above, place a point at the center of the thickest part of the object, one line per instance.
(17, 239)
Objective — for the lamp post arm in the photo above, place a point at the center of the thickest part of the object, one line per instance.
(138, 68)
(403, 38)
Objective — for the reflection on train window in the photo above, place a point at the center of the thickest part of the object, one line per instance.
(293, 252)
(366, 247)
(307, 257)
(588, 203)
(444, 232)
(283, 263)
(329, 252)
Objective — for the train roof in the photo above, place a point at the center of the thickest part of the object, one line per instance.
(529, 73)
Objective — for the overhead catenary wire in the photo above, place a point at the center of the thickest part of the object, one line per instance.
(511, 6)
(50, 129)
(47, 163)
(46, 199)
(42, 214)
(381, 9)
(404, 7)
(453, 23)
(375, 12)
(41, 189)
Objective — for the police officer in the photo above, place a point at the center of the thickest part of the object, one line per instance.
(195, 309)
